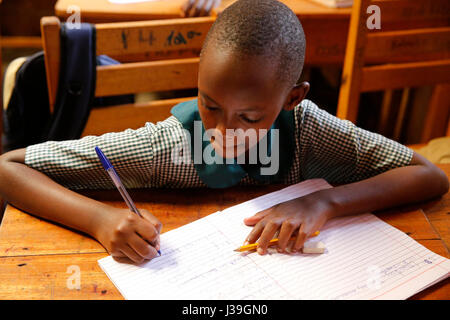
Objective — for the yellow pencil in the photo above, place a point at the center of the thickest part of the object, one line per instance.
(253, 246)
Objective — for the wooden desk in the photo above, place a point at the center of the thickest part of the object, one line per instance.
(35, 254)
(324, 46)
(105, 11)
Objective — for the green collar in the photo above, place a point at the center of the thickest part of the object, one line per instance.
(224, 173)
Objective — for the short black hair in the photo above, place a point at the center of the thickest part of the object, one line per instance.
(262, 27)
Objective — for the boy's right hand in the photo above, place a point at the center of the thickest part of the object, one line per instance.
(126, 235)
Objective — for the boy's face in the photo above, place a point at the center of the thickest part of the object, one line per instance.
(237, 92)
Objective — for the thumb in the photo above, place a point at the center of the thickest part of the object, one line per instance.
(251, 221)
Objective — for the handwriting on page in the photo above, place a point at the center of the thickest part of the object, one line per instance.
(365, 258)
(185, 271)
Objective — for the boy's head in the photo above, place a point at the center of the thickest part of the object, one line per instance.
(250, 63)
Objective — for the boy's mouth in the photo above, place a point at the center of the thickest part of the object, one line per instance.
(230, 150)
(229, 143)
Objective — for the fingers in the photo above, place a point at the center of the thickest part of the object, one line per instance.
(136, 238)
(153, 220)
(209, 5)
(255, 233)
(135, 249)
(148, 228)
(286, 231)
(136, 252)
(186, 7)
(120, 257)
(251, 221)
(131, 254)
(264, 231)
(216, 3)
(196, 8)
(294, 217)
(157, 225)
(300, 239)
(144, 250)
(202, 8)
(266, 236)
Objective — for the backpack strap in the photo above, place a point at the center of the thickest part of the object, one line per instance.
(76, 85)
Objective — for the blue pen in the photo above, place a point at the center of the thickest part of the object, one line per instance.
(119, 185)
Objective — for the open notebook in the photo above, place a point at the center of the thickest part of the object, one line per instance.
(365, 258)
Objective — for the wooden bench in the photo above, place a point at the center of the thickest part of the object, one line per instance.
(169, 51)
(410, 50)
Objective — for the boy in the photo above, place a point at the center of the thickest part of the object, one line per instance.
(249, 65)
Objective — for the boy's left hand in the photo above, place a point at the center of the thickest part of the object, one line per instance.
(302, 216)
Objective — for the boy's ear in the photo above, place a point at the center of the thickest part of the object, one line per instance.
(297, 94)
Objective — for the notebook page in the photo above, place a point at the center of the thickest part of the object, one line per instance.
(365, 259)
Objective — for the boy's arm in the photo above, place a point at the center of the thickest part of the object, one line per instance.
(375, 172)
(378, 172)
(198, 8)
(419, 181)
(36, 193)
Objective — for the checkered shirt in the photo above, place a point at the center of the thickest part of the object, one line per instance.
(325, 147)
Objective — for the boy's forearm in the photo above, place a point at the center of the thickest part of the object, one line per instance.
(36, 193)
(393, 188)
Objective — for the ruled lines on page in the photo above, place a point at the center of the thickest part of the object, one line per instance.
(365, 259)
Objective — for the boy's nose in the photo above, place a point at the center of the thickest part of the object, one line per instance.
(222, 128)
(226, 138)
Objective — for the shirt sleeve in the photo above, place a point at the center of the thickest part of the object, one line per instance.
(340, 152)
(75, 165)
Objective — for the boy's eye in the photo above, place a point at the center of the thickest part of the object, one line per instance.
(250, 120)
(211, 108)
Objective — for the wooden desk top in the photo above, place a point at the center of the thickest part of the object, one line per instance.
(324, 47)
(103, 10)
(35, 254)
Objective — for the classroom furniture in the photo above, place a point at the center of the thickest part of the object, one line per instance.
(324, 47)
(317, 21)
(105, 11)
(21, 42)
(410, 50)
(1, 108)
(131, 42)
(38, 257)
(21, 31)
(1, 93)
(20, 18)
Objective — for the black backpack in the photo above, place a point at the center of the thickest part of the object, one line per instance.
(27, 119)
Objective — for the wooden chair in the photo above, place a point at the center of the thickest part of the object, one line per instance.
(411, 49)
(156, 56)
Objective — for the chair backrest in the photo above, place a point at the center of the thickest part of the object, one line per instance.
(410, 49)
(158, 55)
